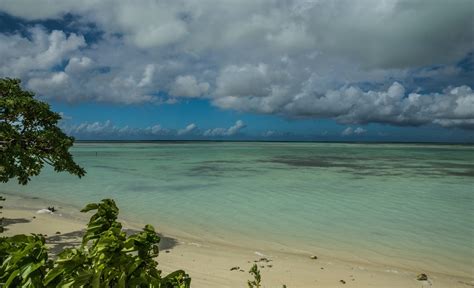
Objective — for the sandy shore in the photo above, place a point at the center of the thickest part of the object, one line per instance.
(209, 264)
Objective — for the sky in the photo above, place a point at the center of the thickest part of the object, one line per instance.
(308, 70)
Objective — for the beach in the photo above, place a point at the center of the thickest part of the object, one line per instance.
(325, 143)
(212, 264)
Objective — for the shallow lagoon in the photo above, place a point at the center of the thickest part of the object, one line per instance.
(396, 204)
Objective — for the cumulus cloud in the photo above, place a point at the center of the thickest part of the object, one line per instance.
(298, 59)
(350, 131)
(78, 65)
(154, 130)
(188, 86)
(269, 133)
(188, 129)
(42, 50)
(48, 83)
(359, 131)
(352, 105)
(389, 33)
(231, 131)
(234, 129)
(107, 129)
(35, 59)
(393, 106)
(147, 76)
(95, 128)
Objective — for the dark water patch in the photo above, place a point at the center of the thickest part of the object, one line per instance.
(142, 188)
(322, 162)
(121, 169)
(465, 173)
(357, 178)
(206, 170)
(375, 173)
(161, 158)
(220, 162)
(376, 166)
(97, 154)
(189, 187)
(412, 166)
(452, 165)
(219, 170)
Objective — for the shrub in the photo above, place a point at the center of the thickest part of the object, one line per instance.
(107, 257)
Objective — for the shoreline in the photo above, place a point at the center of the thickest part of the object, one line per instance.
(209, 263)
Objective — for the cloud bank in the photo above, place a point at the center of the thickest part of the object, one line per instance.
(107, 129)
(404, 63)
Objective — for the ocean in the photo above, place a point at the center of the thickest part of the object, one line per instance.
(400, 205)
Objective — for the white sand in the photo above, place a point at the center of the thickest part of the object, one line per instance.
(209, 263)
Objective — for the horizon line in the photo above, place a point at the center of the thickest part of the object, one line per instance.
(274, 141)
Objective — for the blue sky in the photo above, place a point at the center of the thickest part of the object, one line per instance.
(248, 70)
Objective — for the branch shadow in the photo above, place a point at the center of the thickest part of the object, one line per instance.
(166, 242)
(59, 242)
(11, 221)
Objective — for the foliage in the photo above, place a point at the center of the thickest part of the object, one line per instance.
(257, 278)
(1, 217)
(107, 257)
(24, 261)
(29, 136)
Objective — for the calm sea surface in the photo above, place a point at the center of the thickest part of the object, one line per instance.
(403, 205)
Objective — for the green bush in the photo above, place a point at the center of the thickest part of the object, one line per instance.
(106, 258)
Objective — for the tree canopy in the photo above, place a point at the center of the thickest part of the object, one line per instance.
(30, 136)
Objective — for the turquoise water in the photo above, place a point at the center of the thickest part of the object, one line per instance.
(403, 205)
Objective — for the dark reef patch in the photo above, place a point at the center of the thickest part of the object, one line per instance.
(376, 166)
(220, 170)
(121, 169)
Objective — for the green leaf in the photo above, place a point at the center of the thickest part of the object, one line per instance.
(12, 278)
(52, 274)
(89, 207)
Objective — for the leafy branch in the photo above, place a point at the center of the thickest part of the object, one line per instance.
(30, 136)
(107, 257)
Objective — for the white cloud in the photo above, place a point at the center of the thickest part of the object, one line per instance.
(350, 131)
(35, 59)
(188, 86)
(269, 133)
(147, 76)
(109, 130)
(156, 130)
(48, 83)
(188, 129)
(449, 123)
(41, 51)
(233, 130)
(93, 128)
(359, 131)
(78, 65)
(390, 33)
